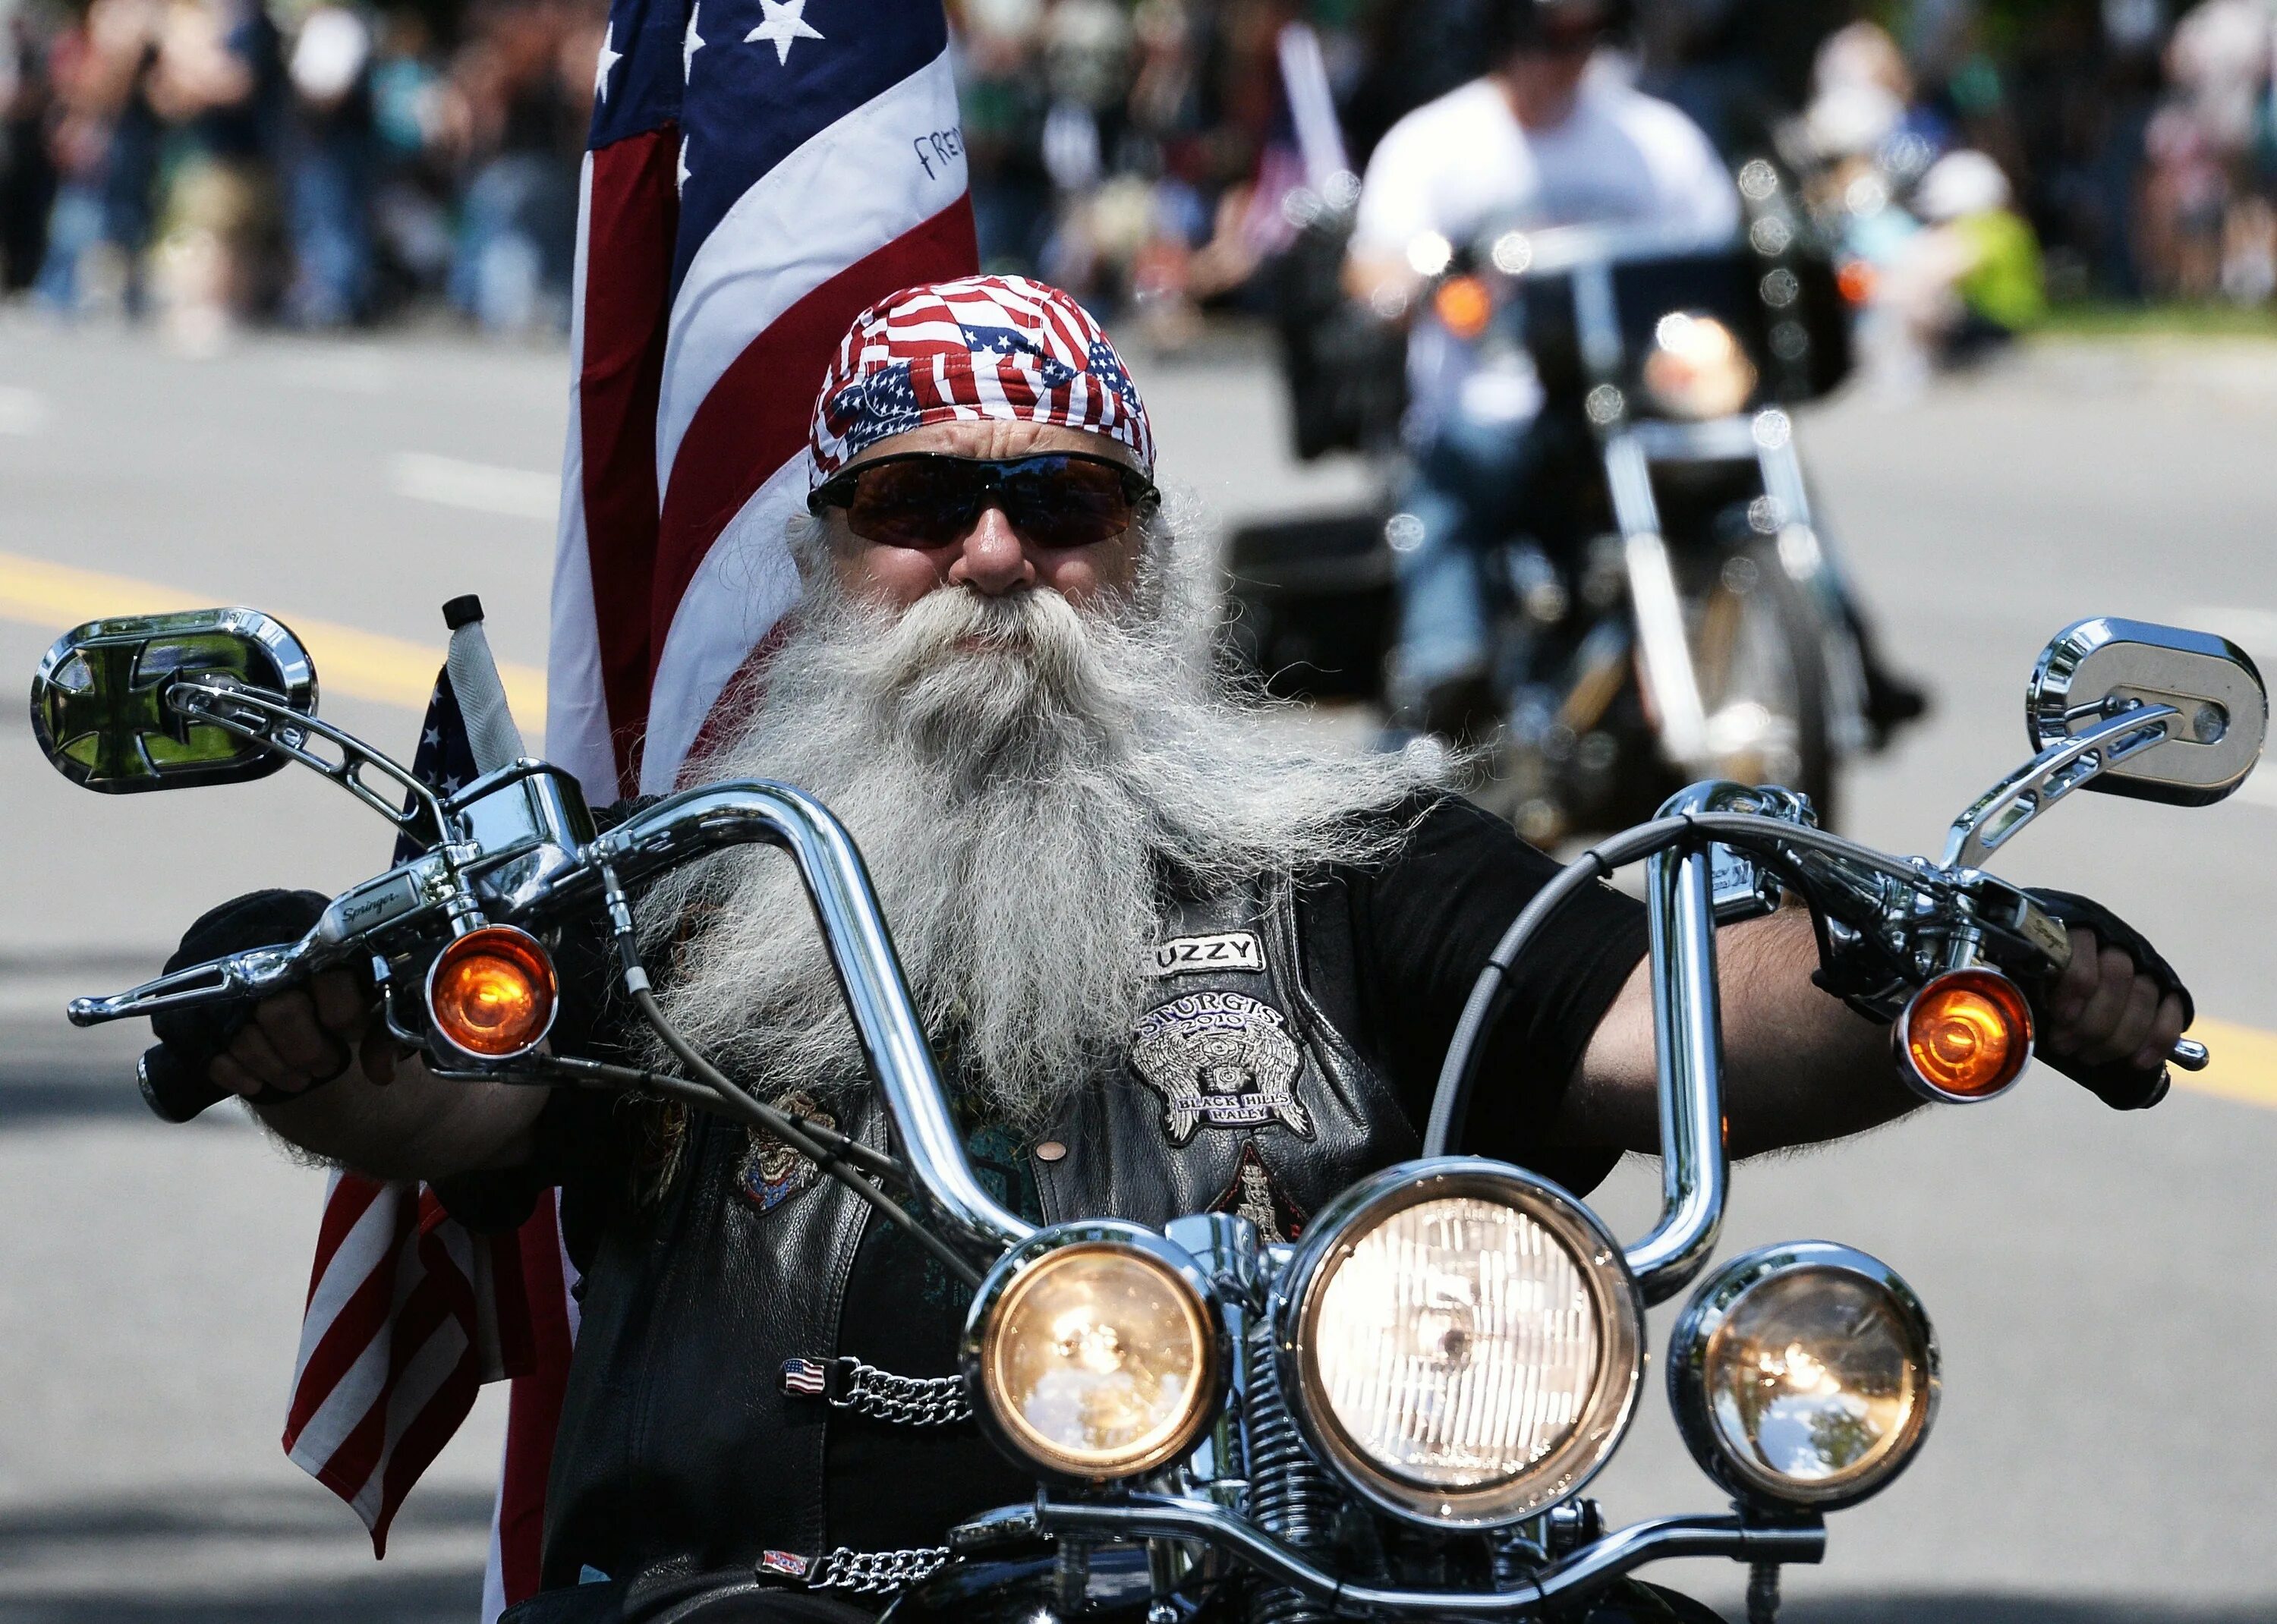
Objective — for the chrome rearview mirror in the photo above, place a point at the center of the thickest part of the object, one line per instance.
(2104, 668)
(2132, 709)
(101, 704)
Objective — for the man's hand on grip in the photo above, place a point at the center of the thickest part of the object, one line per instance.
(299, 1039)
(2110, 1021)
(285, 1044)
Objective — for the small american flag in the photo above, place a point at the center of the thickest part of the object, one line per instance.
(810, 1377)
(759, 172)
(409, 1313)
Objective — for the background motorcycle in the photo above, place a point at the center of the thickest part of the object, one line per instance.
(1663, 601)
(1394, 1416)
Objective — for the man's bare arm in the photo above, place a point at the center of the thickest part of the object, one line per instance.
(383, 1113)
(1800, 1067)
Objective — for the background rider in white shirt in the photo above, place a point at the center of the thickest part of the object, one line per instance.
(1553, 136)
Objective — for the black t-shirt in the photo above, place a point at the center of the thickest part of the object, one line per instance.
(1421, 924)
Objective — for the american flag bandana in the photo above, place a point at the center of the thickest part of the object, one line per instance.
(979, 348)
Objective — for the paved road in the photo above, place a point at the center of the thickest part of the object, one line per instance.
(2100, 1283)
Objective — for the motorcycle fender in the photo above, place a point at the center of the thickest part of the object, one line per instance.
(1633, 1601)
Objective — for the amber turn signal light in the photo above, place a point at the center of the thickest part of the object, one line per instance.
(1463, 304)
(1965, 1037)
(492, 993)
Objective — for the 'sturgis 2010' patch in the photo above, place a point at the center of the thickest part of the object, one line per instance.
(1220, 1059)
(772, 1171)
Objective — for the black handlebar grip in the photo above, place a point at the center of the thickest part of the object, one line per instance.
(170, 1088)
(173, 1075)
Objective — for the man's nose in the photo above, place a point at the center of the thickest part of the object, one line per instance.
(993, 559)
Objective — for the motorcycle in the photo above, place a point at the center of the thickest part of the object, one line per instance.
(1664, 605)
(1394, 1416)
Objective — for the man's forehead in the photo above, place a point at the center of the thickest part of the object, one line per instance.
(995, 439)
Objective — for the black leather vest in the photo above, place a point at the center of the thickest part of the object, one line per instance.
(676, 1444)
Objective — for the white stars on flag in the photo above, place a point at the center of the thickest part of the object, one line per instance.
(609, 59)
(691, 44)
(683, 163)
(786, 20)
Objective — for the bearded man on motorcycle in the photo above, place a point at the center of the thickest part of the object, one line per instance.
(1551, 137)
(1174, 957)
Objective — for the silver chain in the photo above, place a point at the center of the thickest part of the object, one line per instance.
(907, 1400)
(868, 1573)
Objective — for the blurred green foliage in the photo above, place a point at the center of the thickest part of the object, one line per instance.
(2169, 319)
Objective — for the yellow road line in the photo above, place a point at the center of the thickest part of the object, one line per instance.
(360, 664)
(2243, 1067)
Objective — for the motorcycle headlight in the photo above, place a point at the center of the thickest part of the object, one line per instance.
(1461, 1341)
(1094, 1352)
(1697, 368)
(1803, 1373)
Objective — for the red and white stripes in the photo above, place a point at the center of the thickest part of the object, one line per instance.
(401, 1328)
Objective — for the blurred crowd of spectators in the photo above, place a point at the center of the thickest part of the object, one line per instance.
(2140, 145)
(209, 162)
(327, 162)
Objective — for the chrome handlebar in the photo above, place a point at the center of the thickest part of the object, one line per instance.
(526, 867)
(1688, 1029)
(1943, 911)
(520, 849)
(861, 950)
(1151, 1516)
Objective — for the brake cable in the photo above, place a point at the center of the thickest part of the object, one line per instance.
(797, 1133)
(1450, 1100)
(552, 1069)
(1458, 1071)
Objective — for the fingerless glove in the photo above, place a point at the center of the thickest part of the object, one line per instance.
(173, 1073)
(2116, 1083)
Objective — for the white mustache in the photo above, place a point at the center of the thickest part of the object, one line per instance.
(1021, 774)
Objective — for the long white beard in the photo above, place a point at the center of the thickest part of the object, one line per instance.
(1023, 781)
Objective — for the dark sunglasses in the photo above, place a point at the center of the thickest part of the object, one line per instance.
(930, 499)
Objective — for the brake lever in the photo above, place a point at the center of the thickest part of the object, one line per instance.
(253, 974)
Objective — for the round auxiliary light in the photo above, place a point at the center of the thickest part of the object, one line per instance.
(1697, 368)
(1803, 1375)
(491, 993)
(1095, 1351)
(1964, 1036)
(1461, 1341)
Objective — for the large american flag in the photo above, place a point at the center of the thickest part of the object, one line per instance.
(759, 172)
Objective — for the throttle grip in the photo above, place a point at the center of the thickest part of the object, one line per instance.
(170, 1088)
(172, 1075)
